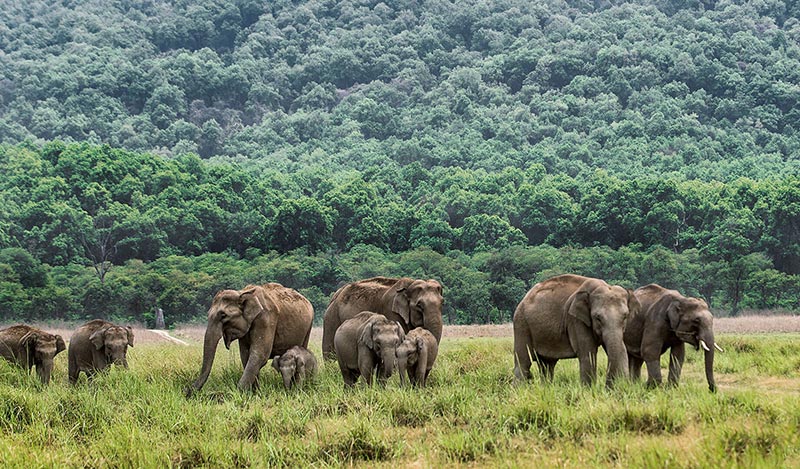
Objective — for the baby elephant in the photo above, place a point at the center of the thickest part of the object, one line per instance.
(416, 355)
(97, 345)
(366, 344)
(295, 365)
(27, 346)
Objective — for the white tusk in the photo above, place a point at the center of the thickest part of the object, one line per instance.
(718, 347)
(705, 347)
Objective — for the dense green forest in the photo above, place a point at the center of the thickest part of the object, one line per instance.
(154, 152)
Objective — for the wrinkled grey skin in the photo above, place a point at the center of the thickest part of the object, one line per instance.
(267, 320)
(27, 347)
(409, 302)
(366, 345)
(570, 316)
(668, 320)
(297, 364)
(416, 356)
(97, 345)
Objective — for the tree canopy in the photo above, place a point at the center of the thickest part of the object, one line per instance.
(153, 152)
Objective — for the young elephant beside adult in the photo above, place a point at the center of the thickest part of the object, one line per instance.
(669, 320)
(571, 316)
(366, 345)
(27, 346)
(97, 345)
(267, 320)
(295, 365)
(415, 356)
(412, 303)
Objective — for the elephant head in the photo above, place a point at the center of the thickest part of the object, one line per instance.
(691, 320)
(113, 343)
(230, 317)
(409, 353)
(288, 367)
(42, 349)
(382, 337)
(605, 310)
(419, 303)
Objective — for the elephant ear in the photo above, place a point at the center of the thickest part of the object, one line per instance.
(667, 308)
(401, 304)
(98, 338)
(366, 335)
(634, 307)
(60, 345)
(129, 330)
(251, 305)
(578, 307)
(276, 362)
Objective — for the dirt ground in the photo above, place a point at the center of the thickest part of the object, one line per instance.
(740, 325)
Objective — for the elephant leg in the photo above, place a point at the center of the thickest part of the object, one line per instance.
(635, 367)
(522, 354)
(244, 355)
(653, 372)
(588, 365)
(412, 374)
(73, 371)
(244, 352)
(249, 380)
(546, 368)
(348, 376)
(676, 356)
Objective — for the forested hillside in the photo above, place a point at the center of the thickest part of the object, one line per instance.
(154, 152)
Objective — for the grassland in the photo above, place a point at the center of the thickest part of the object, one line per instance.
(472, 414)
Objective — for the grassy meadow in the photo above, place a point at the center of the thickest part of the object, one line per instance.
(471, 415)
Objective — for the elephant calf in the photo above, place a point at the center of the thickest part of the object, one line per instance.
(27, 346)
(97, 345)
(365, 345)
(416, 355)
(295, 365)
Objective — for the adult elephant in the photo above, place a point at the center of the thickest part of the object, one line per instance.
(27, 346)
(267, 320)
(570, 316)
(410, 302)
(668, 321)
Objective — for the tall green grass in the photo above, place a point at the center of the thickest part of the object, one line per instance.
(471, 413)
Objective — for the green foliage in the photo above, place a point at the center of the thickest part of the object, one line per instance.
(489, 145)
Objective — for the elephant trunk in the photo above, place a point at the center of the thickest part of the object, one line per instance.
(708, 338)
(617, 358)
(402, 369)
(389, 362)
(43, 370)
(287, 378)
(210, 342)
(433, 323)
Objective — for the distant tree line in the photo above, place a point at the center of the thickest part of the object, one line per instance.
(89, 230)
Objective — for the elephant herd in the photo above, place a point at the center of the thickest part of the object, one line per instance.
(93, 347)
(375, 326)
(371, 327)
